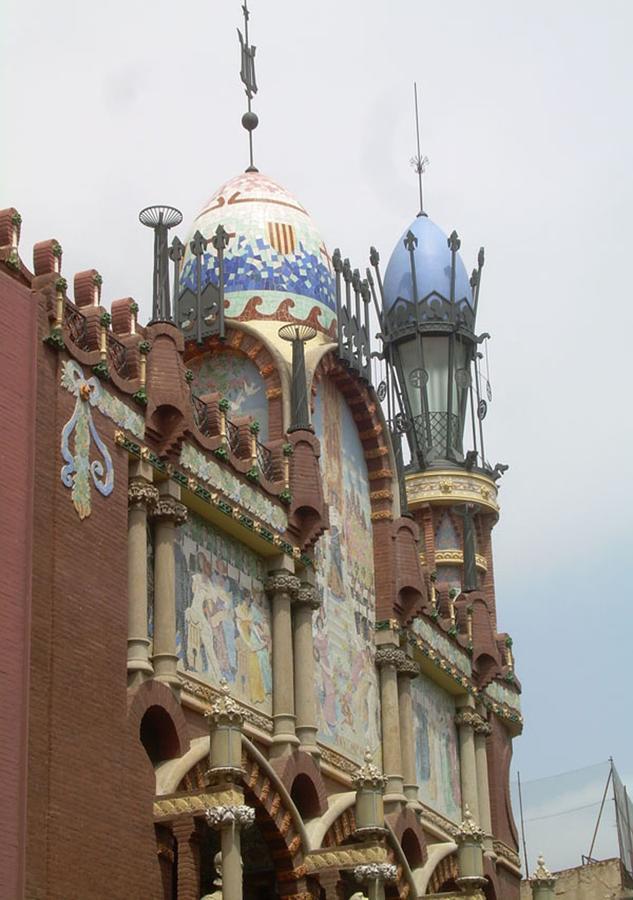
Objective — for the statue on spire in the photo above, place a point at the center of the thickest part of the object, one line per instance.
(247, 75)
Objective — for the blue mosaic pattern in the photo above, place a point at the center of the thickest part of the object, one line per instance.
(262, 268)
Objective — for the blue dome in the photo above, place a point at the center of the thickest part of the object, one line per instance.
(432, 267)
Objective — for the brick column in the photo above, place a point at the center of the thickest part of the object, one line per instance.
(281, 587)
(466, 719)
(406, 672)
(305, 603)
(482, 730)
(229, 820)
(142, 498)
(168, 513)
(388, 660)
(188, 872)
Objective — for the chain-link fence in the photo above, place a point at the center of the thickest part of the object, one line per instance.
(585, 813)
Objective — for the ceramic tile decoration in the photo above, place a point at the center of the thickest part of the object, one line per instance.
(344, 652)
(77, 436)
(276, 265)
(236, 379)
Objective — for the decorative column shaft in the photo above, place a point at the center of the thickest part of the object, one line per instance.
(482, 730)
(374, 875)
(466, 719)
(470, 858)
(306, 601)
(229, 820)
(168, 513)
(282, 587)
(407, 671)
(142, 498)
(388, 660)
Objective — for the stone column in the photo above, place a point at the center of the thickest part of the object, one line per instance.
(374, 876)
(142, 498)
(229, 820)
(168, 513)
(188, 864)
(388, 660)
(282, 586)
(470, 857)
(466, 719)
(482, 730)
(306, 601)
(407, 671)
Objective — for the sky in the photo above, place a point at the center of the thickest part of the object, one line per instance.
(525, 116)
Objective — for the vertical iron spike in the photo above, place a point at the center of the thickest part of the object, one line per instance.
(176, 254)
(197, 246)
(337, 265)
(220, 241)
(481, 426)
(410, 243)
(364, 292)
(480, 264)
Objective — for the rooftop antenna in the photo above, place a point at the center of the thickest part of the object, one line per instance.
(420, 163)
(247, 74)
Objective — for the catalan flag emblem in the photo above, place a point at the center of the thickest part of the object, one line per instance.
(281, 237)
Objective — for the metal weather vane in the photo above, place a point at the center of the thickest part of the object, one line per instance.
(247, 75)
(420, 163)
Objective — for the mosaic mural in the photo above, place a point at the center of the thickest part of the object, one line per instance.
(236, 379)
(502, 694)
(78, 435)
(274, 254)
(345, 672)
(444, 645)
(222, 479)
(436, 747)
(222, 613)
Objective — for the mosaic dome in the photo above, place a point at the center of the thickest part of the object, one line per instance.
(276, 266)
(432, 266)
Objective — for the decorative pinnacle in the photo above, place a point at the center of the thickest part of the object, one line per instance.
(420, 163)
(247, 75)
(410, 241)
(369, 775)
(542, 873)
(224, 709)
(469, 828)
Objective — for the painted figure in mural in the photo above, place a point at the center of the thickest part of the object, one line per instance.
(436, 748)
(346, 674)
(250, 646)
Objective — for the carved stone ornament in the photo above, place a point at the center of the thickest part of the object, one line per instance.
(483, 727)
(469, 830)
(468, 717)
(409, 668)
(369, 775)
(142, 493)
(389, 656)
(221, 816)
(308, 596)
(376, 872)
(169, 508)
(542, 875)
(282, 583)
(224, 710)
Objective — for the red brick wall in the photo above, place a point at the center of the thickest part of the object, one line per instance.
(90, 830)
(17, 377)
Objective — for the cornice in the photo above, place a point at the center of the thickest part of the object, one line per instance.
(450, 486)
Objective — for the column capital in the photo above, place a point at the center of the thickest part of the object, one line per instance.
(469, 718)
(469, 830)
(483, 727)
(409, 668)
(167, 508)
(282, 583)
(141, 493)
(368, 775)
(224, 709)
(239, 815)
(308, 596)
(375, 872)
(390, 656)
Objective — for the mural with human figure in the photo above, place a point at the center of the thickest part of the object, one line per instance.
(222, 613)
(235, 378)
(436, 747)
(343, 635)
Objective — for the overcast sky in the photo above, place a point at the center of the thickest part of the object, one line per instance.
(526, 118)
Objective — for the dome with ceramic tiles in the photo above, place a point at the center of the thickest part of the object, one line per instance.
(276, 265)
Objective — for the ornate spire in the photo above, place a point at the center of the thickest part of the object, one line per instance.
(247, 75)
(420, 163)
(469, 830)
(542, 874)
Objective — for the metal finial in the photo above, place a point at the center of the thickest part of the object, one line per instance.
(420, 163)
(160, 219)
(247, 74)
